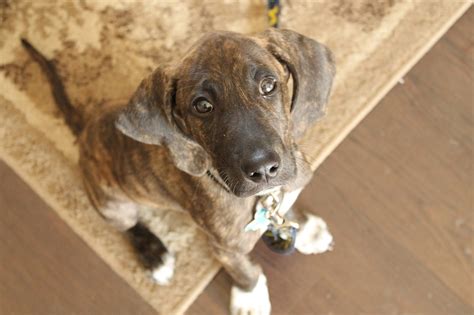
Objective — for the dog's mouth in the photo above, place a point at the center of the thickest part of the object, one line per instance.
(243, 188)
(233, 186)
(257, 191)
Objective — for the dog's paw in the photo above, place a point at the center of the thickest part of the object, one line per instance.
(314, 236)
(163, 273)
(255, 302)
(152, 253)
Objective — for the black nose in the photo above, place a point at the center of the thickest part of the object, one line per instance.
(261, 165)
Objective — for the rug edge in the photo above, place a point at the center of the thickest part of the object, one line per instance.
(332, 144)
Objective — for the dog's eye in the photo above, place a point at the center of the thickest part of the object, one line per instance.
(267, 85)
(202, 106)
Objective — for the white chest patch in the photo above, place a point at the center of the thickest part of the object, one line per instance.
(255, 302)
(163, 274)
(314, 236)
(288, 201)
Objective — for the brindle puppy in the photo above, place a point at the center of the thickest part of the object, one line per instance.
(208, 134)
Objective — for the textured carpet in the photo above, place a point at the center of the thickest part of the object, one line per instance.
(104, 48)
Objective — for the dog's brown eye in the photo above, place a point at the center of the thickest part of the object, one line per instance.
(203, 106)
(267, 85)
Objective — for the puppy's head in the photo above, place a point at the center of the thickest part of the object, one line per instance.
(236, 104)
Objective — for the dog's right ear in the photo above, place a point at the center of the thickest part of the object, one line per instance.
(148, 118)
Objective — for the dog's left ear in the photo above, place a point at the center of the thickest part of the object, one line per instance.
(312, 67)
(149, 117)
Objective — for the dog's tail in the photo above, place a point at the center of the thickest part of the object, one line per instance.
(73, 118)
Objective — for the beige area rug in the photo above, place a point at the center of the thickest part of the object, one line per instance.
(103, 49)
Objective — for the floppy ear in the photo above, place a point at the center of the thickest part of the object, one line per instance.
(312, 68)
(149, 118)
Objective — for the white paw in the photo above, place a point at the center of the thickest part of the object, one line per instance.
(255, 302)
(314, 236)
(163, 274)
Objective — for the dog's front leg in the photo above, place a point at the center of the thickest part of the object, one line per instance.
(249, 294)
(313, 236)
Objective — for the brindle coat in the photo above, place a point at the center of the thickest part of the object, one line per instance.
(159, 149)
